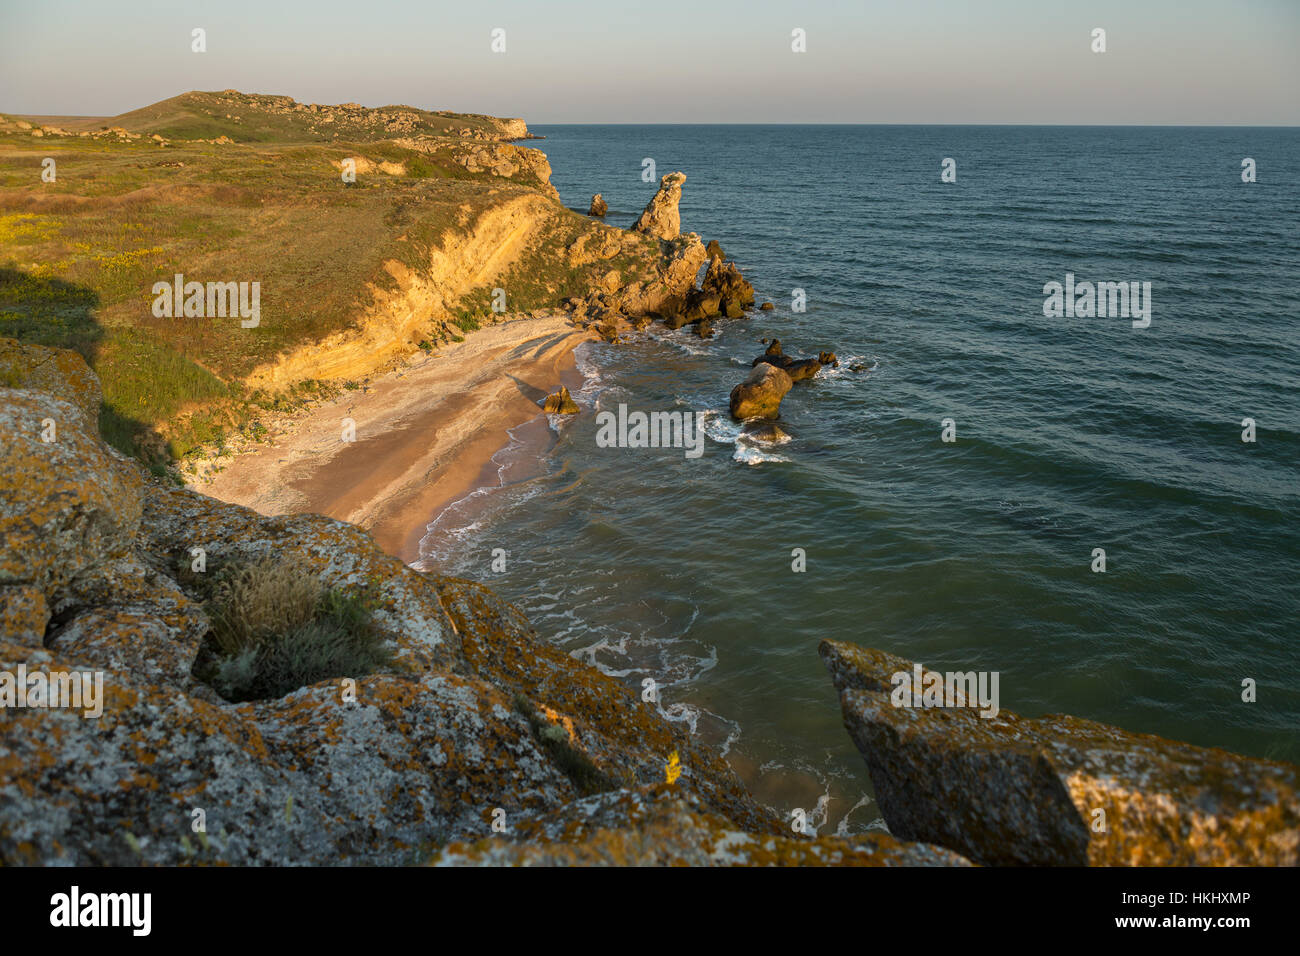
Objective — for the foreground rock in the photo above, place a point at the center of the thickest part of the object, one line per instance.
(475, 713)
(661, 218)
(760, 394)
(561, 403)
(1010, 790)
(598, 206)
(658, 826)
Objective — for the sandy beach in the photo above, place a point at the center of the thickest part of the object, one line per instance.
(425, 434)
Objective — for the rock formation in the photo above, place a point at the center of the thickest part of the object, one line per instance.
(661, 218)
(598, 206)
(714, 251)
(797, 369)
(724, 280)
(760, 394)
(1058, 790)
(561, 403)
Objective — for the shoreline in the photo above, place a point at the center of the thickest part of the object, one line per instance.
(425, 435)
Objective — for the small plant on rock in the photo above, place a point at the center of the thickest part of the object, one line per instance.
(276, 627)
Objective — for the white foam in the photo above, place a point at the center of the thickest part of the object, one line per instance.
(755, 455)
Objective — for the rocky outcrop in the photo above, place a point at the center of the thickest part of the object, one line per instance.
(474, 715)
(714, 251)
(661, 218)
(1058, 790)
(598, 206)
(797, 369)
(561, 403)
(724, 280)
(760, 394)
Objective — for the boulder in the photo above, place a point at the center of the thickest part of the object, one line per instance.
(561, 403)
(767, 307)
(798, 369)
(802, 369)
(760, 394)
(724, 280)
(765, 433)
(1058, 790)
(713, 250)
(705, 329)
(661, 217)
(701, 305)
(598, 206)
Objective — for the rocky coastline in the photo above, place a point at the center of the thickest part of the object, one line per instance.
(472, 741)
(478, 743)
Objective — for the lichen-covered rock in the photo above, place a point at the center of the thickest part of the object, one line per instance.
(661, 217)
(760, 394)
(1010, 790)
(68, 504)
(661, 826)
(105, 571)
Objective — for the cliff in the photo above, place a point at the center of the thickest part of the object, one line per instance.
(373, 234)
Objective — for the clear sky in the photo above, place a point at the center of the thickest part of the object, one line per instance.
(1182, 62)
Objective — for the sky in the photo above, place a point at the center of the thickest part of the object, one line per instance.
(1167, 62)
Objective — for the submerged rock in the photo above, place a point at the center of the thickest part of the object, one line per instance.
(760, 394)
(765, 432)
(598, 206)
(1058, 790)
(661, 217)
(561, 403)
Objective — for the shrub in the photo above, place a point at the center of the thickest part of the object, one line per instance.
(276, 628)
(573, 763)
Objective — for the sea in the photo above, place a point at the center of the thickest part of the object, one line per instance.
(1102, 509)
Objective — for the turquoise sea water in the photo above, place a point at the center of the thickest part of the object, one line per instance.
(1072, 434)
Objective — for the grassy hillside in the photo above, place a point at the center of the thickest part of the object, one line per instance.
(143, 196)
